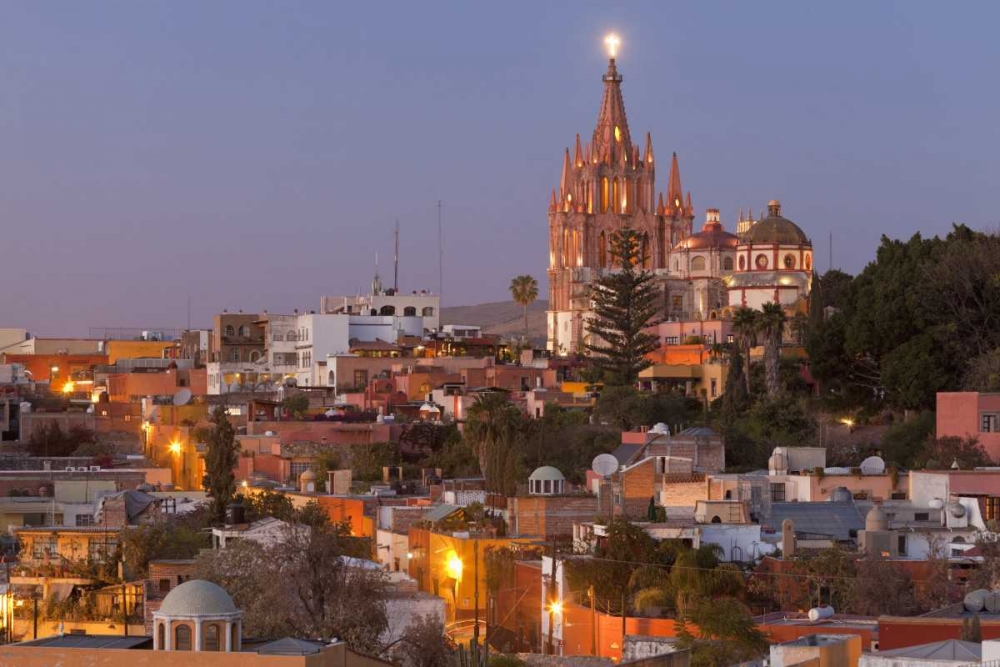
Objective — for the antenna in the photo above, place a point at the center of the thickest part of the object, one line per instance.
(830, 267)
(189, 312)
(440, 254)
(395, 271)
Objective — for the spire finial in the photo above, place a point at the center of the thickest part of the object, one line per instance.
(612, 42)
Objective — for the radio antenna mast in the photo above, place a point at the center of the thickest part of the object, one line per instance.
(395, 272)
(440, 254)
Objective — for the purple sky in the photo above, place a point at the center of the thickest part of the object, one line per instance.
(255, 154)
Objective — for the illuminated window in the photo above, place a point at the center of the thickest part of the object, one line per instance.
(604, 194)
(761, 261)
(618, 134)
(616, 194)
(808, 262)
(789, 261)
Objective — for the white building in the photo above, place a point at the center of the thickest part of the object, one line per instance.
(386, 302)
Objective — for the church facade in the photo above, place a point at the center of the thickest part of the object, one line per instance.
(608, 184)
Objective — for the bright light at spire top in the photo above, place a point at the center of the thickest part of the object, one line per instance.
(612, 42)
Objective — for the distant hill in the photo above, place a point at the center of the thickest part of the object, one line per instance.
(504, 318)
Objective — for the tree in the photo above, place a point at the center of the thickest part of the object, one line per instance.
(49, 439)
(625, 306)
(942, 453)
(772, 324)
(424, 644)
(321, 595)
(983, 373)
(829, 574)
(745, 327)
(524, 290)
(161, 540)
(296, 405)
(220, 460)
(882, 587)
(726, 633)
(494, 428)
(735, 399)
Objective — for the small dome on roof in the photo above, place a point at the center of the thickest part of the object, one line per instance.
(546, 473)
(429, 407)
(712, 235)
(876, 519)
(307, 475)
(776, 229)
(198, 598)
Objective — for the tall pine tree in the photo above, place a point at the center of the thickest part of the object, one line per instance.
(624, 307)
(220, 460)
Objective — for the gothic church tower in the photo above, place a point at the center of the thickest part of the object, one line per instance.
(606, 185)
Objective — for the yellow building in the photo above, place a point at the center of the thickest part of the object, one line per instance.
(136, 349)
(61, 546)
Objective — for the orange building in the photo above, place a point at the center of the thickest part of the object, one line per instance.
(136, 349)
(57, 369)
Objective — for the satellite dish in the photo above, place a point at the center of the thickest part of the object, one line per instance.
(182, 397)
(873, 465)
(604, 465)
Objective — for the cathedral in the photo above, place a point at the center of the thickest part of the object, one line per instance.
(608, 184)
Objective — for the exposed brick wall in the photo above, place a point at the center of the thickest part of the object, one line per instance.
(551, 516)
(683, 493)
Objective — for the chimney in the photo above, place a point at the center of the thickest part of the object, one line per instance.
(787, 538)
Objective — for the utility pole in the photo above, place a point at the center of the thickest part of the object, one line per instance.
(550, 650)
(440, 254)
(475, 594)
(395, 271)
(593, 620)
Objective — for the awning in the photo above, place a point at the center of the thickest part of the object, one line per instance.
(60, 592)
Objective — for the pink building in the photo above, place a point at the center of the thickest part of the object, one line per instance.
(710, 331)
(970, 414)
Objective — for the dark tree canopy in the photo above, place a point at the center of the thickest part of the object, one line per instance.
(220, 460)
(625, 304)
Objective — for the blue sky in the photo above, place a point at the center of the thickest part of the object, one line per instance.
(256, 154)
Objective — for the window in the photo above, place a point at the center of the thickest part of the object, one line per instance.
(234, 637)
(677, 303)
(921, 516)
(990, 422)
(164, 585)
(808, 262)
(730, 338)
(901, 545)
(789, 261)
(230, 331)
(291, 336)
(428, 312)
(360, 378)
(698, 264)
(761, 261)
(44, 546)
(992, 509)
(99, 548)
(85, 519)
(604, 194)
(743, 263)
(234, 354)
(387, 310)
(254, 355)
(244, 331)
(161, 635)
(295, 469)
(211, 641)
(714, 390)
(182, 638)
(409, 311)
(727, 264)
(777, 492)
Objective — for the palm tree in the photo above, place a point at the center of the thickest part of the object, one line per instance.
(745, 328)
(524, 290)
(493, 426)
(772, 326)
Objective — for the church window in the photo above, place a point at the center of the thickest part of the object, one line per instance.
(618, 134)
(789, 261)
(761, 261)
(602, 251)
(604, 194)
(743, 263)
(616, 194)
(809, 260)
(698, 264)
(727, 264)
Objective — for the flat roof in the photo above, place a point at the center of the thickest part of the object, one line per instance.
(90, 642)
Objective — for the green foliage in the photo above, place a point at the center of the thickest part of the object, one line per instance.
(296, 405)
(455, 458)
(500, 568)
(626, 408)
(141, 544)
(524, 290)
(771, 322)
(735, 400)
(942, 453)
(905, 441)
(882, 587)
(495, 429)
(325, 462)
(625, 305)
(830, 574)
(368, 459)
(424, 644)
(505, 661)
(983, 373)
(565, 440)
(423, 439)
(726, 633)
(49, 439)
(772, 422)
(268, 503)
(220, 460)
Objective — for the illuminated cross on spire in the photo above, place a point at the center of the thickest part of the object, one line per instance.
(612, 43)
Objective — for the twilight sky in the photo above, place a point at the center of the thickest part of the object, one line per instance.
(255, 155)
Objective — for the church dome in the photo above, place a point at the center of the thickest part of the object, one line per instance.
(776, 229)
(712, 235)
(197, 597)
(546, 473)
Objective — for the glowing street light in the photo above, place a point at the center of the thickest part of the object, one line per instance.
(175, 447)
(612, 42)
(453, 567)
(67, 388)
(556, 607)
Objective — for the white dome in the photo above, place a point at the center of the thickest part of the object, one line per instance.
(660, 428)
(876, 520)
(198, 598)
(307, 475)
(546, 473)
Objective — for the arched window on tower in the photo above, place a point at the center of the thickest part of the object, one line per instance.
(602, 250)
(566, 249)
(616, 194)
(604, 194)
